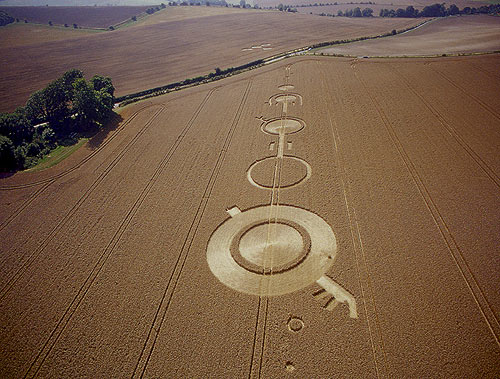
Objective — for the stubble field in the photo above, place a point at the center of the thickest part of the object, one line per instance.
(372, 186)
(451, 35)
(148, 56)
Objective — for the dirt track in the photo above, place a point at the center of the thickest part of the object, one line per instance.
(104, 258)
(148, 56)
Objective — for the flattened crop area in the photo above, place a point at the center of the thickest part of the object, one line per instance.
(148, 56)
(320, 217)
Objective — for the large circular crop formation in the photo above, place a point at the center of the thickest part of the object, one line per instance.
(271, 250)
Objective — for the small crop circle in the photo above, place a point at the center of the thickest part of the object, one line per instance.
(295, 324)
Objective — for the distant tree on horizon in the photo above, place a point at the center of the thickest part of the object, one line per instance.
(367, 12)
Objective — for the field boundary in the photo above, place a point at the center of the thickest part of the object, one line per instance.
(231, 71)
(306, 50)
(410, 56)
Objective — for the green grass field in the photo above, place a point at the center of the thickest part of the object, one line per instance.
(57, 155)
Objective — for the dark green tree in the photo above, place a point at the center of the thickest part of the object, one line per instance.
(400, 12)
(16, 127)
(102, 83)
(85, 103)
(93, 100)
(67, 80)
(410, 11)
(367, 12)
(36, 111)
(8, 161)
(434, 10)
(453, 10)
(56, 106)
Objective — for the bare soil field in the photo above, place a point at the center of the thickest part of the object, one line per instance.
(451, 35)
(144, 57)
(315, 218)
(90, 17)
(21, 34)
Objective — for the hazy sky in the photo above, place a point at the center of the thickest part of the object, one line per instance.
(80, 2)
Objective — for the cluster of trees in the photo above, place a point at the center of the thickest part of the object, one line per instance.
(26, 21)
(155, 9)
(53, 116)
(435, 10)
(5, 19)
(286, 8)
(335, 3)
(221, 3)
(356, 12)
(439, 10)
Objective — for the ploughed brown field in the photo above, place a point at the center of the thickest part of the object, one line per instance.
(93, 17)
(148, 56)
(320, 217)
(451, 35)
(21, 34)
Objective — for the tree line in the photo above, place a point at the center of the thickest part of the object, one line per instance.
(434, 10)
(155, 9)
(56, 115)
(215, 75)
(5, 19)
(439, 10)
